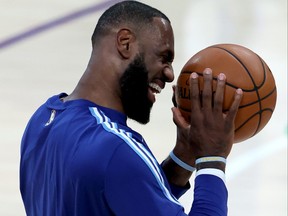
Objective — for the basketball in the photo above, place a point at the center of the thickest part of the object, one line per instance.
(243, 69)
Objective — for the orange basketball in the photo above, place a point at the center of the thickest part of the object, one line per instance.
(243, 69)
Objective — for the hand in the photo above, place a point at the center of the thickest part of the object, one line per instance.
(182, 148)
(176, 174)
(211, 131)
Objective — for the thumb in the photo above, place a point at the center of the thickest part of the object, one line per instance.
(178, 119)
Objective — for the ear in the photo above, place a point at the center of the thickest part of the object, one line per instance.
(125, 39)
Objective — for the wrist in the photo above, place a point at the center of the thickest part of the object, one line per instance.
(175, 174)
(184, 153)
(181, 163)
(215, 162)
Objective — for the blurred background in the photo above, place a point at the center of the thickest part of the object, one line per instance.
(45, 46)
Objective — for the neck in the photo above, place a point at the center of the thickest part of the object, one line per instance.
(99, 85)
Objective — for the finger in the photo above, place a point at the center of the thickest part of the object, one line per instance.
(174, 88)
(219, 94)
(174, 95)
(178, 118)
(207, 89)
(194, 93)
(235, 105)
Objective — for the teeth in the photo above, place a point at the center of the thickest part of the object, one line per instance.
(155, 87)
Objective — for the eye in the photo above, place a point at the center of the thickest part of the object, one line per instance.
(167, 58)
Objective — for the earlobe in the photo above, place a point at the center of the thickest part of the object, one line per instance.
(124, 40)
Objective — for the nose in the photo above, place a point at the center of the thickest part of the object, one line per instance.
(168, 73)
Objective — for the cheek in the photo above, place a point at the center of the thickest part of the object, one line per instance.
(154, 68)
(153, 65)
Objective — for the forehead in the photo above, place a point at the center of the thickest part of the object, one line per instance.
(161, 34)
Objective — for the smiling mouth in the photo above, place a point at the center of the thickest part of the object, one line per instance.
(155, 88)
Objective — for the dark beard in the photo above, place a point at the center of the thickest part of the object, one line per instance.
(134, 90)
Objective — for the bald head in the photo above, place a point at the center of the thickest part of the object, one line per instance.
(134, 14)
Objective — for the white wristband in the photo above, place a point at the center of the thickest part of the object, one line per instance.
(212, 171)
(181, 163)
(210, 159)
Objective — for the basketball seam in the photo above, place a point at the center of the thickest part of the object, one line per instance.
(252, 116)
(254, 84)
(245, 105)
(256, 89)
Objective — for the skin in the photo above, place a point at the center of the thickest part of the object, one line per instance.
(210, 132)
(121, 46)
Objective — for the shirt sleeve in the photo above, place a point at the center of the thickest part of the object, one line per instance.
(178, 191)
(210, 193)
(135, 186)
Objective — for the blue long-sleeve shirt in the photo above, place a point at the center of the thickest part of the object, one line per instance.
(81, 159)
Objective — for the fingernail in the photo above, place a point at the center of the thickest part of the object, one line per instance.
(221, 76)
(194, 75)
(239, 91)
(207, 71)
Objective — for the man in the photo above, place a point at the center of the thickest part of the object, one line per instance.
(79, 157)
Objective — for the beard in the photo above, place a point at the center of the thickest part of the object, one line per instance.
(134, 91)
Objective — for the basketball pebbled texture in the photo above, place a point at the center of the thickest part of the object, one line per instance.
(243, 69)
